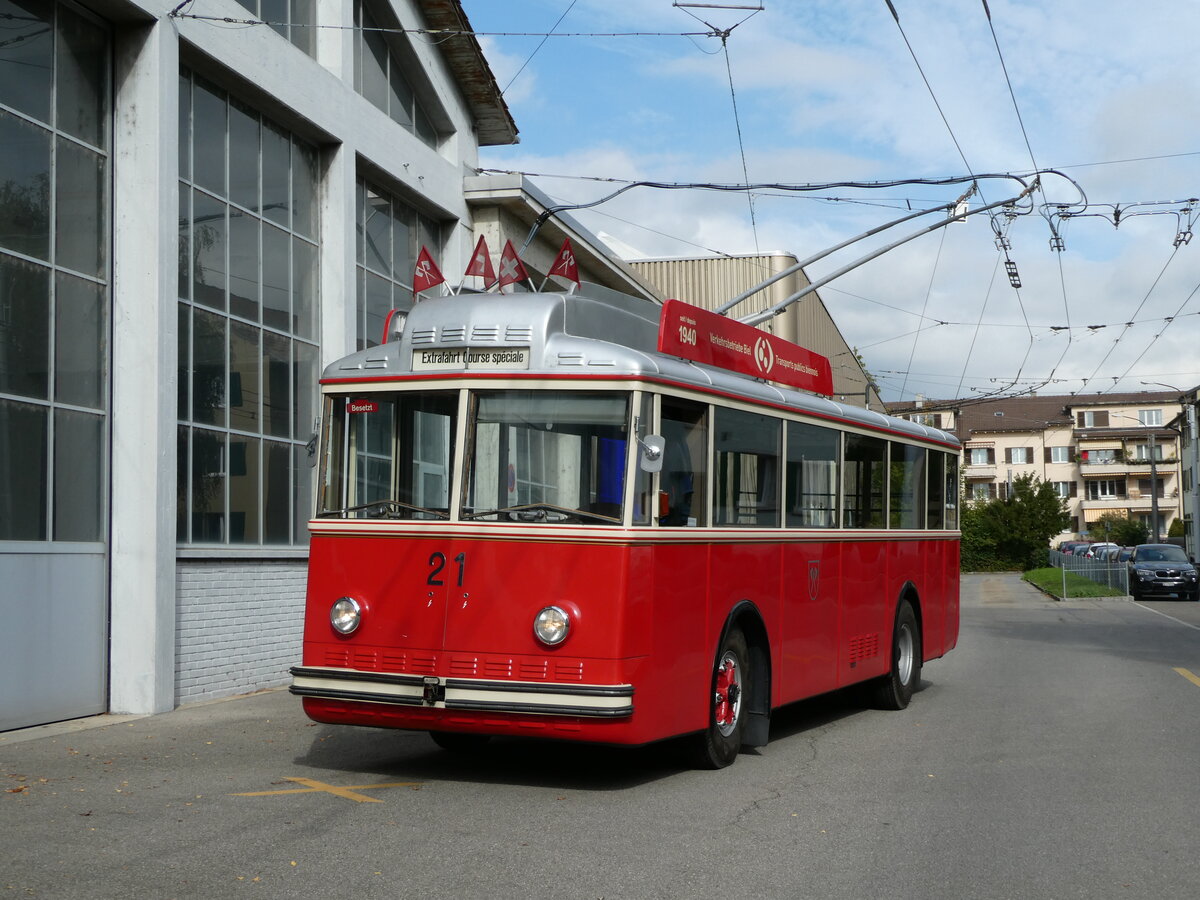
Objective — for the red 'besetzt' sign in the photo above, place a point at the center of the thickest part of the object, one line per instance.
(705, 337)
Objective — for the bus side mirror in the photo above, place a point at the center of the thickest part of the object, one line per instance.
(651, 452)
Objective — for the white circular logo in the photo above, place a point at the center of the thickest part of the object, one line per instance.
(764, 356)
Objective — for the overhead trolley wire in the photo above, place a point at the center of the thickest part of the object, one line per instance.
(1128, 325)
(542, 43)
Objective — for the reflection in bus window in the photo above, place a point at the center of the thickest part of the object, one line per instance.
(389, 456)
(863, 478)
(951, 490)
(643, 480)
(907, 486)
(747, 469)
(547, 456)
(935, 511)
(684, 473)
(811, 476)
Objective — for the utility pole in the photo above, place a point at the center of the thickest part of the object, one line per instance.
(1153, 492)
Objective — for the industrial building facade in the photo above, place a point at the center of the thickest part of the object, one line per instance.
(194, 220)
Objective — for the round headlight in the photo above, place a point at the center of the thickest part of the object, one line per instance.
(345, 615)
(551, 625)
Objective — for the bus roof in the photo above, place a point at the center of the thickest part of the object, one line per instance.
(595, 332)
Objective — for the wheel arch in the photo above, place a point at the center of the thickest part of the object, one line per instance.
(909, 592)
(746, 617)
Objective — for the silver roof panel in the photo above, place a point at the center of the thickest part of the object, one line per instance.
(595, 331)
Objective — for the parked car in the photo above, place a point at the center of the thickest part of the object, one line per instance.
(1074, 548)
(1162, 570)
(1096, 551)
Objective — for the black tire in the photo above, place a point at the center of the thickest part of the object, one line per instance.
(728, 689)
(895, 689)
(460, 741)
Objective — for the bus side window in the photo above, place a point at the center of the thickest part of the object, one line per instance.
(812, 453)
(864, 474)
(684, 471)
(746, 468)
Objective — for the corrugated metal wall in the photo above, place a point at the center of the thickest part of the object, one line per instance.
(710, 281)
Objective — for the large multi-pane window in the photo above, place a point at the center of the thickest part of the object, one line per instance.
(294, 19)
(54, 270)
(248, 309)
(379, 75)
(390, 235)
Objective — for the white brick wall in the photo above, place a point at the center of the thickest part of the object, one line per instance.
(238, 626)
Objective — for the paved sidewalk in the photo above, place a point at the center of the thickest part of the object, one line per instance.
(197, 802)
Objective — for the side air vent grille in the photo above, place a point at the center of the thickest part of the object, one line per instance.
(423, 335)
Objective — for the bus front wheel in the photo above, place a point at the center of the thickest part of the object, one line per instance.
(719, 744)
(895, 689)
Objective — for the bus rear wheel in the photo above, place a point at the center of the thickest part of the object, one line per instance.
(895, 689)
(719, 744)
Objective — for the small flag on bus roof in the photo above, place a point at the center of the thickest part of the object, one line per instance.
(426, 274)
(564, 264)
(481, 264)
(511, 268)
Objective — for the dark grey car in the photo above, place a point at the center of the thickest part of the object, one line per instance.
(1162, 570)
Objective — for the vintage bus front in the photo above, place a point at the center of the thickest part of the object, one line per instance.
(471, 569)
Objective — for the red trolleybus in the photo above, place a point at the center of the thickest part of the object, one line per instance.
(532, 522)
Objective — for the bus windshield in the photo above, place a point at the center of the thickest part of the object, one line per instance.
(389, 456)
(547, 456)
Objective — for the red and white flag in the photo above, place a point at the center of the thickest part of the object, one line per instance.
(511, 268)
(426, 274)
(564, 264)
(481, 264)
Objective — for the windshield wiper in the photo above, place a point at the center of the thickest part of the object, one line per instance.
(541, 512)
(387, 508)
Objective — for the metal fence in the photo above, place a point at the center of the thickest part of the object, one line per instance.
(1102, 571)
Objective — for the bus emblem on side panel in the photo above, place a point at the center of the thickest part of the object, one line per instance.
(764, 356)
(814, 578)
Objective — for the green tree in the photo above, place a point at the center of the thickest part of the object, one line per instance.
(1176, 529)
(1013, 532)
(1119, 529)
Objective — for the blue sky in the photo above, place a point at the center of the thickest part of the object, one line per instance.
(829, 91)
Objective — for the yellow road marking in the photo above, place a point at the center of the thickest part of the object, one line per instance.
(350, 793)
(1194, 679)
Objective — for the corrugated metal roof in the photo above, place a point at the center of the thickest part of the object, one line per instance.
(494, 123)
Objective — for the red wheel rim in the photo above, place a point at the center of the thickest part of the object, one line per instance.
(727, 699)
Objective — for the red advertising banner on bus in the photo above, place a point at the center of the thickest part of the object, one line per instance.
(705, 337)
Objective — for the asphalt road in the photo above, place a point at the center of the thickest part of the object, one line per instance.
(1054, 754)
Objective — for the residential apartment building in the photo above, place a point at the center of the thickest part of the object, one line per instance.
(194, 220)
(1104, 453)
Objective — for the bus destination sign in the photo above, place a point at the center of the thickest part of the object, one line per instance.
(471, 358)
(705, 337)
